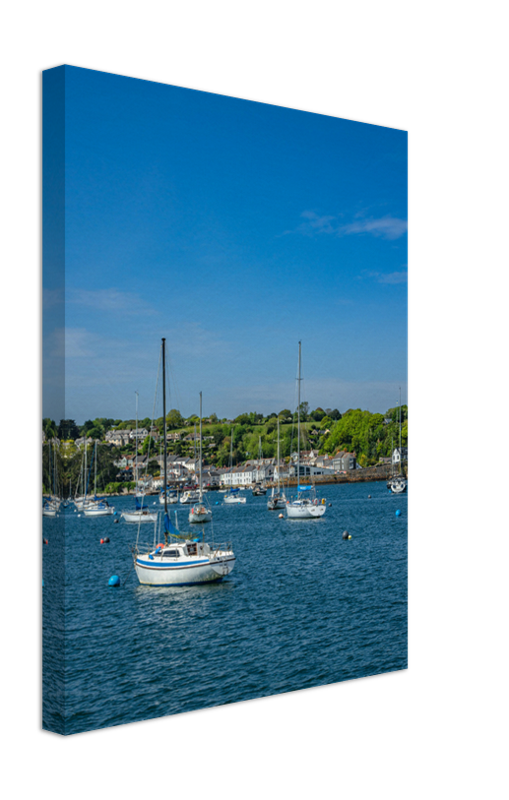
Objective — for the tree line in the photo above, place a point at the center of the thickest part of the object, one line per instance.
(371, 436)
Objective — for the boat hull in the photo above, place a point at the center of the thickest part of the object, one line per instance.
(99, 512)
(156, 573)
(188, 499)
(196, 516)
(232, 501)
(306, 511)
(274, 503)
(135, 517)
(170, 500)
(398, 488)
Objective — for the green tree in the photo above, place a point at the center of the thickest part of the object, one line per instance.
(271, 426)
(304, 411)
(49, 427)
(174, 419)
(148, 442)
(96, 432)
(404, 434)
(68, 430)
(153, 467)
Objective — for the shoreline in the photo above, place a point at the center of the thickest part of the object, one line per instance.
(367, 475)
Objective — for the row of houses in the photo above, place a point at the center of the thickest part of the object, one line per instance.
(120, 438)
(182, 469)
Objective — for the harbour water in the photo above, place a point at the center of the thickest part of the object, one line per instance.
(302, 608)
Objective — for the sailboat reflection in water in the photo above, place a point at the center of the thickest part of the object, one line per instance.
(181, 560)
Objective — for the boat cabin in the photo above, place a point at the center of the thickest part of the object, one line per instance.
(186, 549)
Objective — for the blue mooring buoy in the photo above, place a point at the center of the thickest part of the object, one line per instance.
(114, 581)
(398, 513)
(217, 502)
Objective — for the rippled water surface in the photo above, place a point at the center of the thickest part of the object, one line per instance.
(302, 608)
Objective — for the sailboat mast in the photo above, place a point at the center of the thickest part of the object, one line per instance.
(136, 457)
(95, 469)
(201, 490)
(278, 478)
(400, 453)
(298, 424)
(164, 437)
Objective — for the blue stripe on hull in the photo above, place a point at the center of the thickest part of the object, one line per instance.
(159, 567)
(173, 565)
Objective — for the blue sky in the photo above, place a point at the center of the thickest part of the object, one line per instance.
(234, 229)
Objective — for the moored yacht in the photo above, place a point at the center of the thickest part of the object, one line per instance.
(303, 506)
(181, 561)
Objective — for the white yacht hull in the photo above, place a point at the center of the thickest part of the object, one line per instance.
(398, 487)
(304, 510)
(234, 500)
(138, 516)
(49, 512)
(157, 571)
(170, 500)
(276, 502)
(99, 512)
(188, 498)
(200, 515)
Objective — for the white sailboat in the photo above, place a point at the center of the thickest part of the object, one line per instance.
(80, 499)
(259, 488)
(51, 504)
(189, 496)
(304, 505)
(98, 507)
(171, 496)
(200, 512)
(232, 496)
(181, 561)
(398, 483)
(277, 498)
(140, 513)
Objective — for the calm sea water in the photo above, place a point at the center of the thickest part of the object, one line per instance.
(302, 608)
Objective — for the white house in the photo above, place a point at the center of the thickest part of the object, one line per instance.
(343, 461)
(399, 455)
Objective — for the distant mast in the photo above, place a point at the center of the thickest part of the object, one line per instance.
(201, 490)
(136, 457)
(298, 423)
(400, 451)
(164, 436)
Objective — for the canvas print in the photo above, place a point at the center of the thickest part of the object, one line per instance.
(225, 416)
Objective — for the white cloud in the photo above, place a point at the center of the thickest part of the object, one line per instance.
(110, 300)
(384, 227)
(389, 277)
(394, 277)
(80, 343)
(316, 224)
